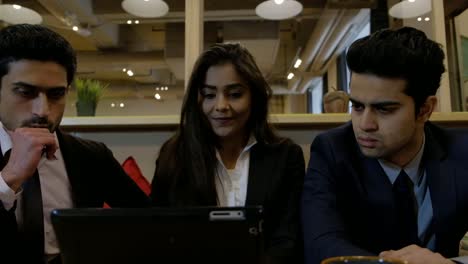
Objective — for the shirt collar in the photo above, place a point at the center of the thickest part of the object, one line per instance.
(412, 169)
(250, 143)
(5, 140)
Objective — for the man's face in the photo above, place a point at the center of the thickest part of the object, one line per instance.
(33, 94)
(383, 117)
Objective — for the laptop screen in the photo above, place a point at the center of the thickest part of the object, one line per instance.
(159, 235)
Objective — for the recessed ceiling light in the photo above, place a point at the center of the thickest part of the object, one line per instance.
(298, 63)
(137, 21)
(122, 105)
(129, 22)
(419, 18)
(427, 19)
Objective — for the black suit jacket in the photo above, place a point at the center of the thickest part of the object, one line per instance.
(95, 177)
(276, 175)
(347, 203)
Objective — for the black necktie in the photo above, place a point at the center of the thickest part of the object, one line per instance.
(406, 213)
(33, 219)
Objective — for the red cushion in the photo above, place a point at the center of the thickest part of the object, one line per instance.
(131, 168)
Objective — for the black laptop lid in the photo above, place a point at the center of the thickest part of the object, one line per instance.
(159, 235)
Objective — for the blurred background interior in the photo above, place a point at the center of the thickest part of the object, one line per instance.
(137, 47)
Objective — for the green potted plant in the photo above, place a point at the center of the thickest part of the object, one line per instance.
(88, 92)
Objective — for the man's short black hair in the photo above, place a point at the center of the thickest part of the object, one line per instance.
(404, 53)
(35, 42)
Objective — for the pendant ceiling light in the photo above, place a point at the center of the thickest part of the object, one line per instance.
(278, 9)
(145, 8)
(410, 8)
(16, 14)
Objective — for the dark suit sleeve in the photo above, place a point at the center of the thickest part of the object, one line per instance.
(324, 231)
(119, 190)
(285, 243)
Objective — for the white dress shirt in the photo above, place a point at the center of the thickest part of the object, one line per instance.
(55, 189)
(231, 185)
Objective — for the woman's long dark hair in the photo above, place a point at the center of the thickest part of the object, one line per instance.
(186, 168)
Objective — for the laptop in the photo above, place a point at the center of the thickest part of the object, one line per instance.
(159, 235)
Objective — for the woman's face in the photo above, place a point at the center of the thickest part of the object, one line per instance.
(226, 101)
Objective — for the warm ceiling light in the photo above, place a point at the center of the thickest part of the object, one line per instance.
(153, 8)
(124, 69)
(407, 9)
(419, 18)
(75, 28)
(411, 1)
(279, 2)
(272, 10)
(137, 21)
(427, 19)
(157, 96)
(130, 73)
(16, 14)
(112, 105)
(298, 63)
(122, 105)
(290, 75)
(129, 22)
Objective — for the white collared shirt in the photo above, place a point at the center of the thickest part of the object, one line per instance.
(231, 185)
(55, 189)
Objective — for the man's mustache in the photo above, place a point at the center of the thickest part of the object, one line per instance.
(38, 122)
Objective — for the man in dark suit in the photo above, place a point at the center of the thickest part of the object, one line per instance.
(389, 183)
(42, 168)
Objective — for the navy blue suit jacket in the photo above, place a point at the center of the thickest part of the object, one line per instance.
(347, 203)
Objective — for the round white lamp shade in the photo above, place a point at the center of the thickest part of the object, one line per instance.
(407, 9)
(15, 14)
(273, 11)
(145, 8)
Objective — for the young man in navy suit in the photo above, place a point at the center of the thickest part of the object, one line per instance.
(388, 183)
(42, 168)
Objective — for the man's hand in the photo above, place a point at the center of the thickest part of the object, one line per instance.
(28, 145)
(414, 254)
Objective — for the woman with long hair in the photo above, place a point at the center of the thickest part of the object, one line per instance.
(225, 152)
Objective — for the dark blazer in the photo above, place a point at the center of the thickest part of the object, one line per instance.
(95, 177)
(276, 175)
(347, 203)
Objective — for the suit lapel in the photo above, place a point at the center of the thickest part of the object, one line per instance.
(258, 173)
(71, 165)
(440, 173)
